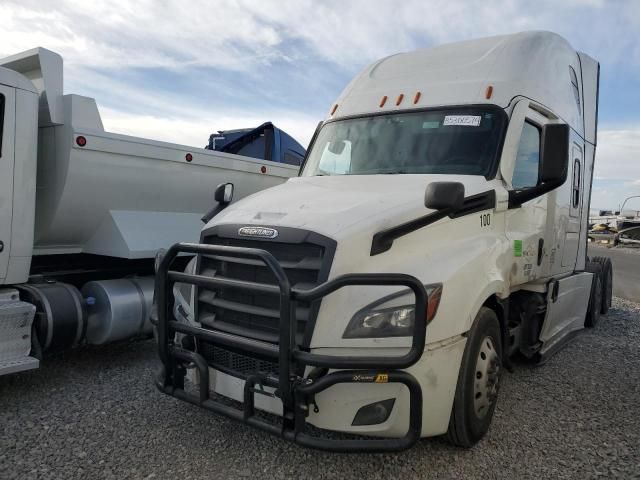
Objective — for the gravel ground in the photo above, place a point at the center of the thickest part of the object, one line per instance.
(629, 249)
(635, 249)
(93, 413)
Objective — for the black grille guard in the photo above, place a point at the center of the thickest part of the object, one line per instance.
(296, 393)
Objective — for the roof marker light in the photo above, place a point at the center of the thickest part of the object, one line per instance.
(488, 92)
(416, 99)
(81, 141)
(383, 101)
(333, 110)
(400, 98)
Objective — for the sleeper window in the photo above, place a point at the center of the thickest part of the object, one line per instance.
(1, 121)
(575, 88)
(576, 183)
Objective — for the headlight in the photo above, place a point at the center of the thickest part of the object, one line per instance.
(380, 320)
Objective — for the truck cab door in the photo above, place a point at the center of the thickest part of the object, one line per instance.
(7, 139)
(528, 229)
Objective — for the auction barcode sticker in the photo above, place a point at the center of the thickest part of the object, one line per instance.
(462, 120)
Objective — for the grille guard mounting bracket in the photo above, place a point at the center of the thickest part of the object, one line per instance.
(295, 393)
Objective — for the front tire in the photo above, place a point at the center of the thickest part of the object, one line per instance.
(478, 381)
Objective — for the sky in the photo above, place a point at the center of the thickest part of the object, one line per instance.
(178, 71)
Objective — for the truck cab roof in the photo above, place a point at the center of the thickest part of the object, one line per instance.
(538, 65)
(264, 142)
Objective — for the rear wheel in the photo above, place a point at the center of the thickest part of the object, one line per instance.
(478, 381)
(606, 279)
(595, 298)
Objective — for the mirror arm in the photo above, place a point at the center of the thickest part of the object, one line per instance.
(383, 240)
(517, 198)
(213, 212)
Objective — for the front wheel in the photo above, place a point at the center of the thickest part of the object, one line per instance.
(478, 381)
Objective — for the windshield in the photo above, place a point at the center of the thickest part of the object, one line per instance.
(462, 141)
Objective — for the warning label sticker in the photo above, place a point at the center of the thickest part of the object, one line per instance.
(517, 248)
(462, 120)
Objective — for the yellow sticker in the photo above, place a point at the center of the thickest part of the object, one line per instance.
(382, 378)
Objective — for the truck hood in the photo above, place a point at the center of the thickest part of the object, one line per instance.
(335, 206)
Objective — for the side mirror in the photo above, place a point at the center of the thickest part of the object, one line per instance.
(444, 196)
(554, 164)
(224, 193)
(555, 153)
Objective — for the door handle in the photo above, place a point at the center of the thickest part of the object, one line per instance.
(540, 250)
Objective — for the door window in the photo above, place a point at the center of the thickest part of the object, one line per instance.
(576, 181)
(527, 168)
(1, 121)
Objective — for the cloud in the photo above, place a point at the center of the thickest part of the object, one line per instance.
(194, 128)
(241, 34)
(180, 116)
(120, 34)
(617, 170)
(618, 154)
(177, 73)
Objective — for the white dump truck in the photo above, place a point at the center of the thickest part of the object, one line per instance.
(438, 227)
(83, 212)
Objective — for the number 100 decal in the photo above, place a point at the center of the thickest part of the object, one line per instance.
(485, 219)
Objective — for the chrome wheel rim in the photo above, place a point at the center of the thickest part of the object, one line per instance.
(486, 377)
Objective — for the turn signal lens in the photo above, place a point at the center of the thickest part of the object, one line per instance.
(432, 303)
(81, 141)
(488, 92)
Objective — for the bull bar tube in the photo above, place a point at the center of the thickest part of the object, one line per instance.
(295, 392)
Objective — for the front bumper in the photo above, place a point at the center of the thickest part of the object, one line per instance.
(295, 392)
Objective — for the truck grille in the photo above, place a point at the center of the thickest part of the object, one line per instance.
(257, 315)
(236, 364)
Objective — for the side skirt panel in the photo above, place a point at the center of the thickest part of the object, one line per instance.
(567, 305)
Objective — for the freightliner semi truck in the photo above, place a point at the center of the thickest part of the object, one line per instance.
(83, 211)
(437, 228)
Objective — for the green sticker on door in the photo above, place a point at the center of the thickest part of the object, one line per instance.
(517, 248)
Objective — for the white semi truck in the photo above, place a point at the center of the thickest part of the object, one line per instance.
(438, 227)
(83, 212)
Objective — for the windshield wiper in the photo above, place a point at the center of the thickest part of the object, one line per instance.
(381, 171)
